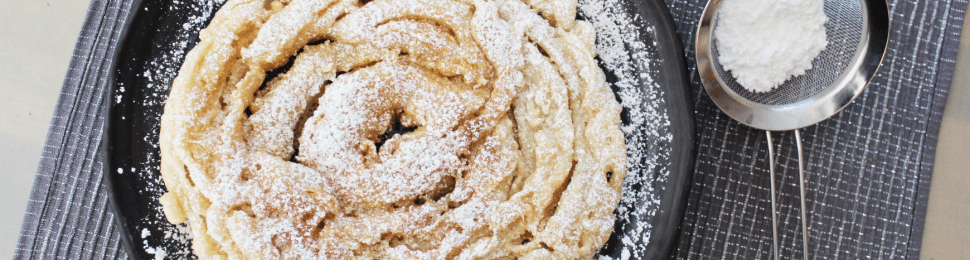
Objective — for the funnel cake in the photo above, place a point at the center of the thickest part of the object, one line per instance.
(393, 129)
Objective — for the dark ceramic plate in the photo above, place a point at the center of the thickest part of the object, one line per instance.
(159, 33)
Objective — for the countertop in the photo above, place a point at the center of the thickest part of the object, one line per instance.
(40, 40)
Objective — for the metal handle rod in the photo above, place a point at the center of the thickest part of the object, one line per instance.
(801, 187)
(774, 212)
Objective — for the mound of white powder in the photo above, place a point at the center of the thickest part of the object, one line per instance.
(765, 42)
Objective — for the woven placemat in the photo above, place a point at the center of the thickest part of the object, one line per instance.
(868, 168)
(68, 215)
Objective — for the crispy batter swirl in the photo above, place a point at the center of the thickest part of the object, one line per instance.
(418, 129)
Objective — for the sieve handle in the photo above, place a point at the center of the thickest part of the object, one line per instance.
(801, 187)
(774, 212)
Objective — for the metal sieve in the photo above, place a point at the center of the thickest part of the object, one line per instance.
(857, 32)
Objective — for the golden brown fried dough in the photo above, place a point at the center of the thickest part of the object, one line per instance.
(403, 129)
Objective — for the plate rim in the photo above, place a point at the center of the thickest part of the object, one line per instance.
(677, 90)
(119, 222)
(685, 112)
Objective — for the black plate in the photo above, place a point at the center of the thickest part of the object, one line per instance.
(159, 33)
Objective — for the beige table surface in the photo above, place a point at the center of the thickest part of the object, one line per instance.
(39, 40)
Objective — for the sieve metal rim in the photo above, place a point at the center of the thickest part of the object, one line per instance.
(866, 60)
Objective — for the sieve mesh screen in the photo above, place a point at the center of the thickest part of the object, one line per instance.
(843, 30)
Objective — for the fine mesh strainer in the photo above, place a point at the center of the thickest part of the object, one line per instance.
(857, 32)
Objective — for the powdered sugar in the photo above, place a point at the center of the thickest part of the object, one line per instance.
(157, 237)
(647, 119)
(621, 50)
(765, 42)
(177, 235)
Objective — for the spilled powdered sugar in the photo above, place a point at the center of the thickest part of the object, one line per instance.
(157, 236)
(646, 125)
(180, 234)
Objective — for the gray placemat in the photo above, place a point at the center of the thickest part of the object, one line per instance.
(868, 167)
(68, 215)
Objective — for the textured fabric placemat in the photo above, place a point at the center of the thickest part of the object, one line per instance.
(68, 215)
(868, 168)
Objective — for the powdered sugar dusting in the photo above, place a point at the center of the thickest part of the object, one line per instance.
(621, 50)
(159, 238)
(451, 71)
(617, 40)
